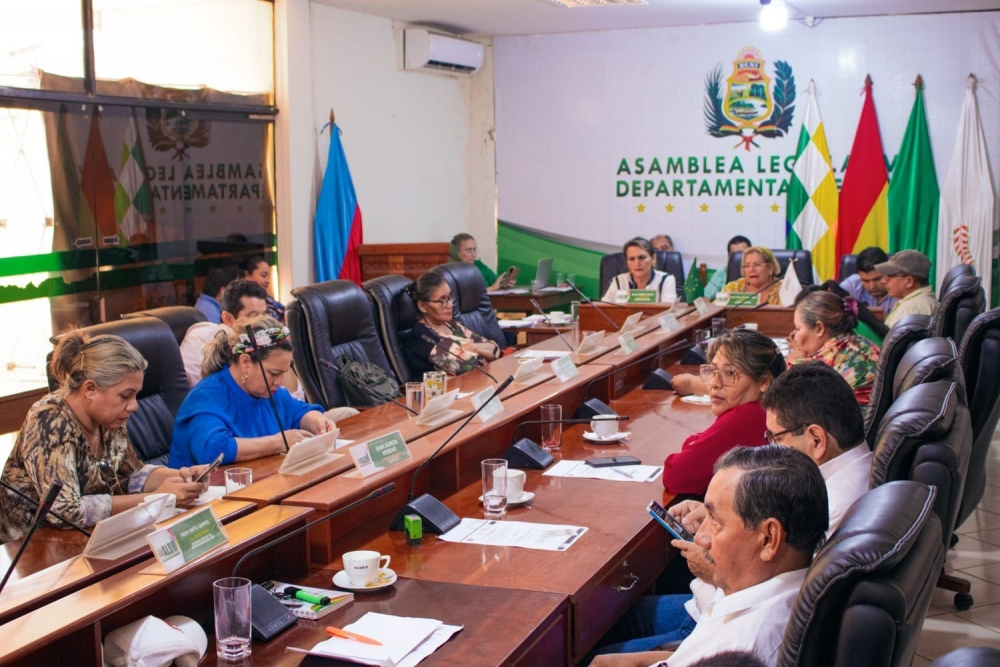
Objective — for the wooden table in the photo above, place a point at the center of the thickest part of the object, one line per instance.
(594, 316)
(521, 303)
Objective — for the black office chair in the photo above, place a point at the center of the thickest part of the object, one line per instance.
(954, 272)
(909, 330)
(164, 385)
(960, 303)
(668, 262)
(848, 267)
(329, 320)
(803, 264)
(928, 360)
(395, 315)
(178, 318)
(472, 305)
(869, 587)
(969, 656)
(926, 436)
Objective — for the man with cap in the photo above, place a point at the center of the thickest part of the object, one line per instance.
(905, 278)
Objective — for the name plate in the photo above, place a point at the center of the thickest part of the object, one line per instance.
(564, 368)
(590, 342)
(527, 367)
(744, 299)
(492, 408)
(631, 321)
(188, 539)
(701, 303)
(380, 453)
(642, 296)
(628, 343)
(668, 322)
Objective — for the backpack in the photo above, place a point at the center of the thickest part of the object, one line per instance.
(356, 393)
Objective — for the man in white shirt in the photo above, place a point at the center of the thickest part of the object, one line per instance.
(767, 514)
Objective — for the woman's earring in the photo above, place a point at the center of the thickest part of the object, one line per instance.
(245, 379)
(90, 399)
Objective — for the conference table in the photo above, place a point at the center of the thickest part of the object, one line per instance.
(518, 299)
(563, 602)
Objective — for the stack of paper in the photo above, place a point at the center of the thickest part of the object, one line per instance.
(405, 641)
(633, 473)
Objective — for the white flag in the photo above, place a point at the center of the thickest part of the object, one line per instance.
(790, 286)
(965, 222)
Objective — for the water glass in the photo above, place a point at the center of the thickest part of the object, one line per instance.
(435, 384)
(571, 278)
(415, 395)
(718, 326)
(237, 478)
(551, 433)
(574, 309)
(701, 337)
(494, 488)
(232, 618)
(560, 279)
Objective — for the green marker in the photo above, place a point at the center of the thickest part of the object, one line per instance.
(306, 597)
(414, 528)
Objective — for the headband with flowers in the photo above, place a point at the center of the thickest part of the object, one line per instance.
(850, 306)
(263, 338)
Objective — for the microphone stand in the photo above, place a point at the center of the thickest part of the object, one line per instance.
(447, 348)
(436, 517)
(370, 388)
(525, 453)
(549, 322)
(267, 385)
(590, 302)
(43, 509)
(23, 496)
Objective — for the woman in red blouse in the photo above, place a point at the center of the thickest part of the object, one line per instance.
(744, 363)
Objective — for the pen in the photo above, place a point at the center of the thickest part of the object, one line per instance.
(345, 634)
(621, 472)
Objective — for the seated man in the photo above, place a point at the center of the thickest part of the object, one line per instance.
(767, 514)
(211, 292)
(662, 243)
(866, 285)
(719, 279)
(905, 277)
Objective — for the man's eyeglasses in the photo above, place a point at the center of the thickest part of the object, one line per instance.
(772, 438)
(727, 374)
(441, 302)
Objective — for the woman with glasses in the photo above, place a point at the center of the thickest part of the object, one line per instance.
(229, 411)
(437, 341)
(77, 435)
(640, 258)
(743, 365)
(760, 276)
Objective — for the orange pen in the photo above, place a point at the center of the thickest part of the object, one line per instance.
(337, 632)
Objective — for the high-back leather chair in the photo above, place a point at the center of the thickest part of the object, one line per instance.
(471, 302)
(926, 436)
(954, 272)
(909, 330)
(962, 302)
(869, 587)
(178, 318)
(848, 267)
(395, 315)
(928, 360)
(164, 384)
(669, 262)
(803, 264)
(977, 357)
(329, 320)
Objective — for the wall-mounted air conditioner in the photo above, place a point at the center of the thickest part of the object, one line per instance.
(423, 50)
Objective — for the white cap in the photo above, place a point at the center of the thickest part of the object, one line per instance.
(151, 642)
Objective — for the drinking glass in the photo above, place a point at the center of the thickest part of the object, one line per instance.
(574, 309)
(415, 395)
(701, 337)
(232, 618)
(237, 478)
(435, 384)
(551, 433)
(571, 278)
(560, 279)
(718, 326)
(494, 488)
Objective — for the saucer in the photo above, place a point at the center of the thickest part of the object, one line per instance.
(525, 498)
(386, 577)
(614, 437)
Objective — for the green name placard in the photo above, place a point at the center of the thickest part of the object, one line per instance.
(743, 299)
(642, 296)
(185, 540)
(380, 453)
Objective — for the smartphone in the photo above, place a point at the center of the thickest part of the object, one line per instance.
(611, 461)
(673, 526)
(511, 278)
(210, 469)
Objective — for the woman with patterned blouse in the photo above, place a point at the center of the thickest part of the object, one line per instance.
(760, 268)
(437, 341)
(77, 435)
(824, 331)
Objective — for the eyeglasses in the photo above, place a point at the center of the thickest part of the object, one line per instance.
(441, 302)
(772, 438)
(727, 374)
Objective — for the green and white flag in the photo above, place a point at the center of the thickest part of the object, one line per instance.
(133, 204)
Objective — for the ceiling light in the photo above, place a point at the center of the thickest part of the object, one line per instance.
(773, 14)
(572, 4)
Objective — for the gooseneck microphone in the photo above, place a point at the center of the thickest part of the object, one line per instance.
(28, 499)
(447, 348)
(549, 322)
(370, 388)
(590, 302)
(610, 418)
(437, 518)
(43, 508)
(267, 385)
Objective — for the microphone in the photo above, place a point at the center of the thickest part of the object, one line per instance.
(43, 509)
(525, 453)
(23, 496)
(370, 388)
(588, 300)
(549, 322)
(447, 348)
(267, 385)
(744, 300)
(437, 518)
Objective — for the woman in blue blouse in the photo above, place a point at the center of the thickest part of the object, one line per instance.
(228, 412)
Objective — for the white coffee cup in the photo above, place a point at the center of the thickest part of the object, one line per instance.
(169, 507)
(362, 567)
(604, 426)
(515, 484)
(557, 317)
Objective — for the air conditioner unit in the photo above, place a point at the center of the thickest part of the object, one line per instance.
(424, 50)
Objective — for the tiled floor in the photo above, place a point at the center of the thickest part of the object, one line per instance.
(976, 557)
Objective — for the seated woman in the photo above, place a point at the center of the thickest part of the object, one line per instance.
(228, 412)
(760, 270)
(641, 275)
(824, 331)
(463, 249)
(77, 435)
(256, 269)
(437, 341)
(744, 363)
